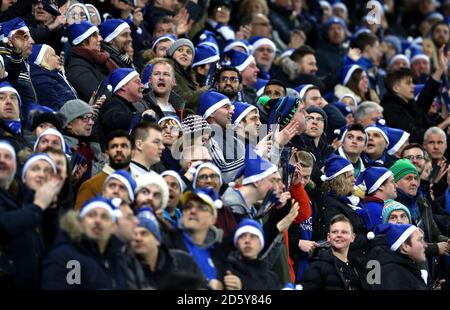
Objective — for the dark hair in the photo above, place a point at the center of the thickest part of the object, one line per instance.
(276, 82)
(356, 127)
(340, 218)
(363, 40)
(119, 133)
(227, 68)
(412, 146)
(140, 131)
(301, 52)
(393, 77)
(354, 81)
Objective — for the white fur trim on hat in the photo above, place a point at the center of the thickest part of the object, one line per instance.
(400, 142)
(177, 177)
(248, 229)
(242, 115)
(41, 54)
(245, 64)
(124, 182)
(209, 166)
(374, 128)
(152, 178)
(403, 238)
(85, 35)
(34, 159)
(206, 61)
(380, 181)
(303, 91)
(215, 107)
(102, 205)
(8, 147)
(262, 175)
(125, 80)
(264, 41)
(343, 170)
(116, 32)
(24, 28)
(399, 56)
(349, 73)
(50, 131)
(420, 56)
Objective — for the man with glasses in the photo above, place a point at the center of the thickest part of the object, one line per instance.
(264, 52)
(415, 153)
(228, 82)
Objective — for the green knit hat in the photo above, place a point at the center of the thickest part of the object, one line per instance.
(401, 168)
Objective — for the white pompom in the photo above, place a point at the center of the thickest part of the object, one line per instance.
(218, 204)
(382, 122)
(109, 87)
(337, 131)
(323, 177)
(299, 287)
(202, 37)
(5, 40)
(192, 170)
(370, 235)
(232, 184)
(64, 39)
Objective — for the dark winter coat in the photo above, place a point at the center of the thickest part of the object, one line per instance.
(98, 271)
(149, 102)
(326, 55)
(187, 87)
(52, 88)
(18, 142)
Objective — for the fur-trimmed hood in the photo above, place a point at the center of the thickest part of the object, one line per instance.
(70, 224)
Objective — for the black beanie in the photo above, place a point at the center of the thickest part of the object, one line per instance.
(314, 109)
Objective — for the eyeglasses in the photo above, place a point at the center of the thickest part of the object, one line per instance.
(202, 207)
(416, 157)
(312, 118)
(85, 118)
(205, 177)
(232, 79)
(263, 49)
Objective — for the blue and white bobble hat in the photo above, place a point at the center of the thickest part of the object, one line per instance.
(347, 72)
(50, 131)
(373, 177)
(303, 89)
(10, 27)
(34, 158)
(209, 166)
(147, 220)
(209, 38)
(120, 77)
(126, 179)
(418, 54)
(165, 37)
(395, 234)
(207, 195)
(249, 226)
(398, 57)
(79, 32)
(334, 166)
(343, 108)
(176, 175)
(6, 86)
(397, 138)
(231, 44)
(381, 127)
(240, 60)
(112, 206)
(205, 54)
(111, 28)
(38, 53)
(258, 41)
(255, 168)
(241, 109)
(171, 117)
(5, 145)
(211, 101)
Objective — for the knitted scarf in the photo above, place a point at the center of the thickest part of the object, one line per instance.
(101, 58)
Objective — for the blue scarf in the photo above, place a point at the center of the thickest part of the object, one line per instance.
(410, 203)
(15, 126)
(375, 163)
(202, 257)
(172, 221)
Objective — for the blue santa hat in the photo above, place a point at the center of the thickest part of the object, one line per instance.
(302, 90)
(259, 86)
(395, 234)
(126, 179)
(54, 132)
(287, 53)
(170, 117)
(79, 32)
(237, 43)
(241, 109)
(258, 41)
(111, 28)
(165, 37)
(249, 226)
(7, 87)
(38, 53)
(120, 77)
(176, 175)
(397, 138)
(147, 220)
(417, 54)
(417, 89)
(347, 72)
(255, 168)
(344, 109)
(34, 158)
(10, 27)
(195, 171)
(205, 54)
(209, 38)
(381, 127)
(211, 101)
(398, 57)
(146, 74)
(112, 206)
(240, 60)
(334, 166)
(373, 177)
(207, 195)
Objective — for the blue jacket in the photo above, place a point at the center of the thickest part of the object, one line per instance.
(52, 88)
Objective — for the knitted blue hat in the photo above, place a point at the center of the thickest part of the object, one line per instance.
(112, 206)
(241, 109)
(373, 177)
(38, 53)
(381, 127)
(111, 28)
(6, 86)
(211, 101)
(334, 20)
(281, 110)
(126, 179)
(146, 74)
(397, 138)
(8, 28)
(205, 54)
(209, 38)
(237, 43)
(394, 41)
(249, 226)
(207, 195)
(343, 108)
(390, 206)
(347, 72)
(240, 60)
(34, 158)
(334, 166)
(258, 41)
(165, 37)
(255, 168)
(148, 221)
(395, 234)
(79, 32)
(120, 77)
